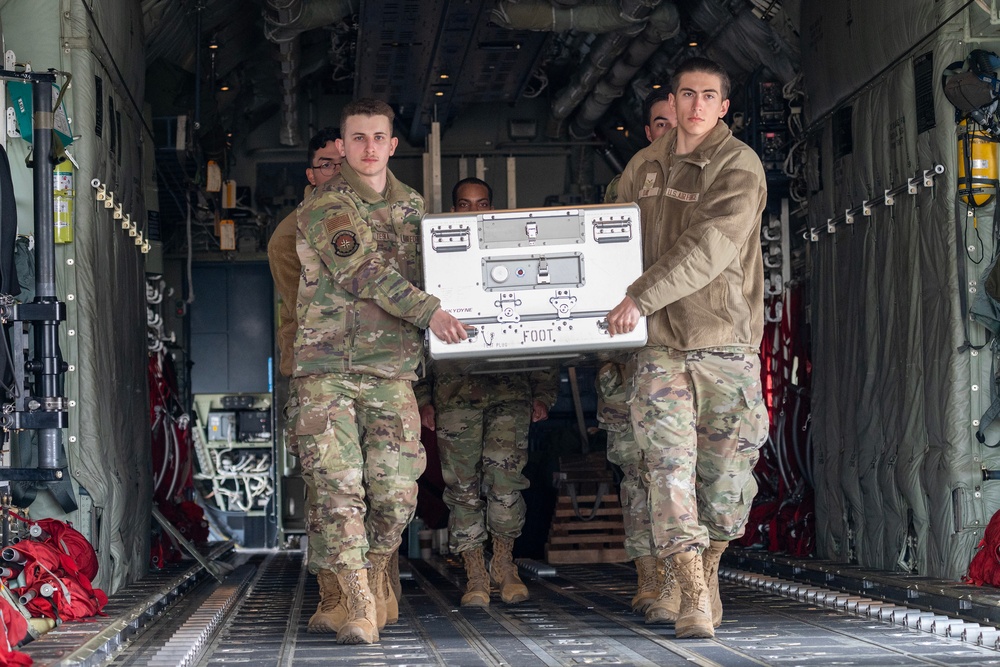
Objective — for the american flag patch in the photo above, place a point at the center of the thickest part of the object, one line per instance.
(337, 222)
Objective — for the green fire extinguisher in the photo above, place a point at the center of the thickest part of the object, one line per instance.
(62, 200)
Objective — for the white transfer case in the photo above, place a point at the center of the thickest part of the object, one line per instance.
(537, 284)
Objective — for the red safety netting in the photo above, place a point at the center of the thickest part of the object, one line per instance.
(782, 518)
(173, 465)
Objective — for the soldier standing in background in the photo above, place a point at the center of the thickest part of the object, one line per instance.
(324, 160)
(697, 407)
(613, 417)
(660, 116)
(357, 350)
(482, 426)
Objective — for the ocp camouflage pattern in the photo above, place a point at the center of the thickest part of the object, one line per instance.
(689, 506)
(360, 309)
(482, 434)
(360, 494)
(613, 379)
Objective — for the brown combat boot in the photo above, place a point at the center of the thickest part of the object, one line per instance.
(477, 590)
(710, 562)
(504, 572)
(331, 612)
(386, 605)
(360, 626)
(648, 587)
(667, 605)
(695, 618)
(394, 583)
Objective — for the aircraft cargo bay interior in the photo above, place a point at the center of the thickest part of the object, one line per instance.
(500, 332)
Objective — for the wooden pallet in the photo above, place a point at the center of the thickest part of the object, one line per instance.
(599, 540)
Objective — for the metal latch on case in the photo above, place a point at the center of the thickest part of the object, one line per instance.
(508, 302)
(563, 302)
(531, 230)
(543, 271)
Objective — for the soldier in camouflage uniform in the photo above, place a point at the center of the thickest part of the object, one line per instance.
(482, 426)
(357, 350)
(324, 160)
(613, 413)
(696, 402)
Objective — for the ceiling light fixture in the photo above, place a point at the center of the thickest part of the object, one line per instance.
(500, 45)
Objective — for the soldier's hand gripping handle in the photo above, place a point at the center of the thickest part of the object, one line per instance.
(447, 327)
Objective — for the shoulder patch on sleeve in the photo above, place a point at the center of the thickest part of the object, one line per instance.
(345, 243)
(337, 222)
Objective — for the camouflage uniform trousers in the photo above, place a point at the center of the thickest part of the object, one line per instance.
(624, 451)
(484, 448)
(291, 411)
(700, 419)
(359, 443)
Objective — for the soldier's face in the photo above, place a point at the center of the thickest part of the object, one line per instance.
(368, 144)
(699, 103)
(662, 117)
(326, 164)
(472, 197)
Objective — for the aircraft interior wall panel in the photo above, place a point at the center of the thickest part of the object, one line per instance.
(114, 414)
(889, 112)
(898, 483)
(831, 533)
(99, 274)
(845, 43)
(951, 469)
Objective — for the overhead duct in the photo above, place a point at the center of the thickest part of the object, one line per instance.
(604, 54)
(663, 24)
(298, 16)
(290, 18)
(742, 41)
(596, 17)
(623, 20)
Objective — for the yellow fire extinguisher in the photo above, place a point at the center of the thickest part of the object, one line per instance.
(62, 201)
(977, 165)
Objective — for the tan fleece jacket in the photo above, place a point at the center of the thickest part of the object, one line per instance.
(285, 269)
(703, 283)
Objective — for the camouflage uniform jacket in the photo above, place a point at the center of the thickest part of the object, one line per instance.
(359, 310)
(541, 385)
(285, 269)
(611, 192)
(703, 284)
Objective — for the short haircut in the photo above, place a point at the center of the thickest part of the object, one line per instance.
(705, 66)
(655, 96)
(321, 139)
(366, 106)
(472, 180)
